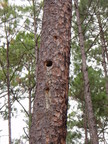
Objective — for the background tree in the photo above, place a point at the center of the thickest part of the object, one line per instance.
(94, 61)
(87, 94)
(21, 56)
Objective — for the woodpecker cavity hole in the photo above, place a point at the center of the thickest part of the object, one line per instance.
(55, 37)
(48, 63)
(47, 90)
(69, 9)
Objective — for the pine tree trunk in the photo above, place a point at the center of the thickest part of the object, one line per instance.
(85, 124)
(50, 104)
(35, 36)
(8, 83)
(8, 89)
(87, 95)
(29, 109)
(29, 90)
(104, 50)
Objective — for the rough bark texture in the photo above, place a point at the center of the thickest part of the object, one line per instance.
(104, 50)
(50, 105)
(87, 95)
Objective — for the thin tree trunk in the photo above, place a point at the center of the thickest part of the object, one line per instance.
(104, 50)
(87, 95)
(35, 35)
(50, 104)
(8, 87)
(85, 124)
(29, 102)
(8, 84)
(36, 68)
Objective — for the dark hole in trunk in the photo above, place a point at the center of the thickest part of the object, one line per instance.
(55, 37)
(47, 90)
(48, 63)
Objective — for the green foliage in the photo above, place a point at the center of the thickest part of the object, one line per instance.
(72, 138)
(17, 26)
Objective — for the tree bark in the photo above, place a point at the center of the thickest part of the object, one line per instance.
(87, 95)
(50, 104)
